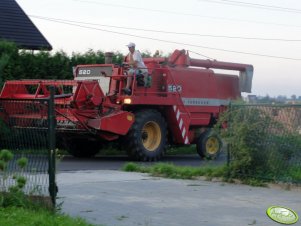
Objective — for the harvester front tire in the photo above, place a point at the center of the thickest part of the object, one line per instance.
(209, 145)
(83, 148)
(147, 137)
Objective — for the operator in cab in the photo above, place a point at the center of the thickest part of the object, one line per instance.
(136, 64)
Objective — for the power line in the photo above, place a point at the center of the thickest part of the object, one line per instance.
(173, 42)
(201, 54)
(237, 20)
(171, 32)
(255, 5)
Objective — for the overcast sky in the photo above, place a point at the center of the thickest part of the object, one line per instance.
(265, 33)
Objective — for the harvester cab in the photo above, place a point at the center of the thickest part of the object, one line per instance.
(111, 78)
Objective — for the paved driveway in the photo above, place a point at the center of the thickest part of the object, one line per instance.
(115, 198)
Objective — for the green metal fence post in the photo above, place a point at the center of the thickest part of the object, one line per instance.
(52, 154)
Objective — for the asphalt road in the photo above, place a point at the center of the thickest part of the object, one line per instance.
(69, 163)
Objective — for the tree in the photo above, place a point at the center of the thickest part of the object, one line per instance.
(7, 50)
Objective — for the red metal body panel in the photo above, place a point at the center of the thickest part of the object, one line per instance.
(88, 95)
(118, 122)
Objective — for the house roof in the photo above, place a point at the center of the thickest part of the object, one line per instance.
(16, 26)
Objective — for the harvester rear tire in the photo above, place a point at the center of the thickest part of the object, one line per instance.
(209, 145)
(147, 137)
(82, 148)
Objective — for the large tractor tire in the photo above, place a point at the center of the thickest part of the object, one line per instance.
(147, 138)
(209, 145)
(81, 148)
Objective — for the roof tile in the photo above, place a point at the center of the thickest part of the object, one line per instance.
(16, 26)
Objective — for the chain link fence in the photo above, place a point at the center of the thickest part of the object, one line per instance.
(265, 142)
(27, 130)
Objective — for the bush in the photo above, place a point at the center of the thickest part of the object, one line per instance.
(260, 145)
(12, 195)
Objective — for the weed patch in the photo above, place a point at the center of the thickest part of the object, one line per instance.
(177, 172)
(13, 216)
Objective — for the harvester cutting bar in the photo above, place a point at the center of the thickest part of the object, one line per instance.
(45, 82)
(34, 89)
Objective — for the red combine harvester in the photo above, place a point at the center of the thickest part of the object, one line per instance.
(177, 102)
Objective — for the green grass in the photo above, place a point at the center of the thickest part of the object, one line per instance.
(295, 173)
(15, 216)
(177, 172)
(187, 172)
